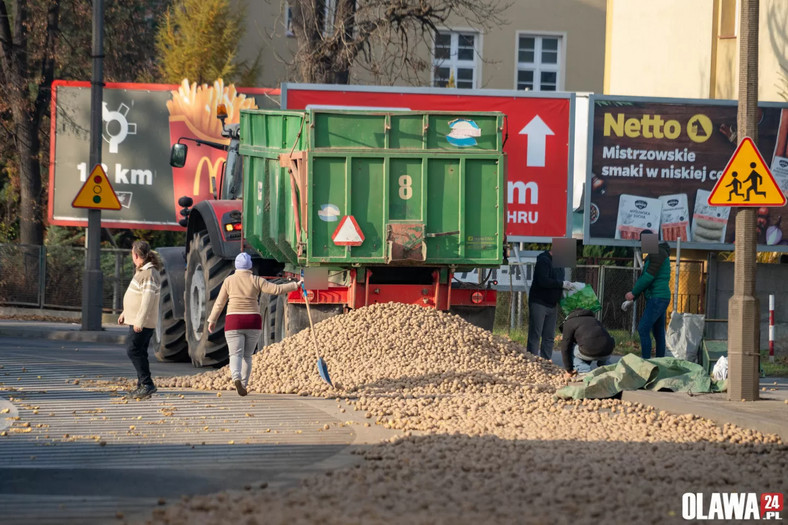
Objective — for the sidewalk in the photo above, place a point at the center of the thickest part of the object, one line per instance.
(768, 415)
(110, 333)
(17, 326)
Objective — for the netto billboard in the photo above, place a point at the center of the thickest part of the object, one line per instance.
(653, 162)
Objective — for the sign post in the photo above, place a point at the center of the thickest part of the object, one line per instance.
(93, 278)
(744, 328)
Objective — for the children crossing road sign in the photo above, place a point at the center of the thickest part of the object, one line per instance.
(746, 181)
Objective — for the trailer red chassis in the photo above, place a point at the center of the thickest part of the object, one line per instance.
(436, 295)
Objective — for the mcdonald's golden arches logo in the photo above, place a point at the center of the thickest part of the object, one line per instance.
(213, 171)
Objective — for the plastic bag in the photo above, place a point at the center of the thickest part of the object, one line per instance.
(626, 305)
(684, 334)
(583, 298)
(720, 370)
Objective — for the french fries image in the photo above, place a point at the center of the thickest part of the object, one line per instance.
(196, 105)
(193, 110)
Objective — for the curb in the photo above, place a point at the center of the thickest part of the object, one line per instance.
(767, 415)
(112, 336)
(75, 316)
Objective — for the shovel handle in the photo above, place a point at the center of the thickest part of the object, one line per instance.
(309, 315)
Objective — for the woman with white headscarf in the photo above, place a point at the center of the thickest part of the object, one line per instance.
(243, 322)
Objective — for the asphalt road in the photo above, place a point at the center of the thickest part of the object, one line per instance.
(75, 452)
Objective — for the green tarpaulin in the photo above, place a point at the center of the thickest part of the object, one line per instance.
(634, 373)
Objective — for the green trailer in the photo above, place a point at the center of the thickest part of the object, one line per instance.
(377, 206)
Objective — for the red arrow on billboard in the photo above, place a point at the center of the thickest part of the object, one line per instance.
(348, 233)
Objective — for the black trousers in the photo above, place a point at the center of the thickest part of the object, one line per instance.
(137, 350)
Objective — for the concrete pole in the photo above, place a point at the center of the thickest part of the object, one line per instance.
(676, 283)
(93, 279)
(744, 308)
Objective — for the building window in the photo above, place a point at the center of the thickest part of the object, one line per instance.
(728, 19)
(289, 20)
(329, 12)
(454, 59)
(539, 62)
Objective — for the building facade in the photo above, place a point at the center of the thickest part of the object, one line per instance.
(690, 49)
(546, 45)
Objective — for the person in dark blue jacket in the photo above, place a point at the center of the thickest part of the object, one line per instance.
(546, 289)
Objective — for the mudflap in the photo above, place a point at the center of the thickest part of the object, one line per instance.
(481, 316)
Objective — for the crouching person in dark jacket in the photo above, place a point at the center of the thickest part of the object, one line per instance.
(584, 341)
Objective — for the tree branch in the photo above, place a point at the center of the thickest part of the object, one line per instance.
(47, 62)
(359, 26)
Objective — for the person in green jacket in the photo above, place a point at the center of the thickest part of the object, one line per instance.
(654, 284)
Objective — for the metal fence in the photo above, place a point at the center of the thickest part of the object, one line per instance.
(51, 276)
(611, 283)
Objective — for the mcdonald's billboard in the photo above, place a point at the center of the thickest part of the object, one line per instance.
(139, 124)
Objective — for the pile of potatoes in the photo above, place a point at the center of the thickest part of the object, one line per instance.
(389, 347)
(484, 440)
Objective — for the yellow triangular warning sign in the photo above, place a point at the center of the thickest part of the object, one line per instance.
(97, 192)
(746, 181)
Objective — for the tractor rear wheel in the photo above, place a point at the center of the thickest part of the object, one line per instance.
(205, 273)
(169, 340)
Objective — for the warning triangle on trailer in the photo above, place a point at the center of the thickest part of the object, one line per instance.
(348, 233)
(97, 192)
(746, 181)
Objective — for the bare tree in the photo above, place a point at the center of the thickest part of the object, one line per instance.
(38, 40)
(383, 37)
(25, 86)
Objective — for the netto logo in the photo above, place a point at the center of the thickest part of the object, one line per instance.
(699, 128)
(116, 125)
(654, 126)
(640, 204)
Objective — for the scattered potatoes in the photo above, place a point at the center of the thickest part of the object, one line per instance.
(484, 440)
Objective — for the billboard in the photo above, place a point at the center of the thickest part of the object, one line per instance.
(139, 124)
(654, 162)
(538, 142)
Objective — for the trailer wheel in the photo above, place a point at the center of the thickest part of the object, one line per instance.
(279, 318)
(169, 339)
(205, 273)
(268, 313)
(274, 311)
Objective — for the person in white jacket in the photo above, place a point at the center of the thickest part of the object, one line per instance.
(243, 323)
(140, 313)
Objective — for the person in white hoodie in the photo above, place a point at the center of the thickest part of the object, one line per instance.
(140, 313)
(243, 323)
